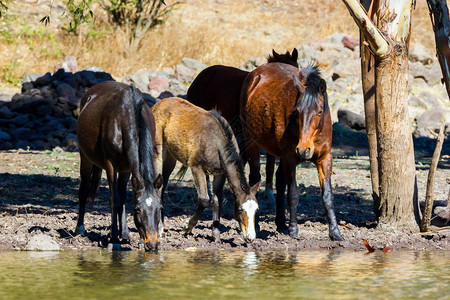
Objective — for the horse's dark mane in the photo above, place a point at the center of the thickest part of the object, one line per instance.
(231, 150)
(310, 95)
(145, 143)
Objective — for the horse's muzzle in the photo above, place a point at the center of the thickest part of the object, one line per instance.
(306, 154)
(151, 242)
(151, 247)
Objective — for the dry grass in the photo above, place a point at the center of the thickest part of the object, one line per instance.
(213, 31)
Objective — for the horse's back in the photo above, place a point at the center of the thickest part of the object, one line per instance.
(189, 132)
(107, 123)
(218, 87)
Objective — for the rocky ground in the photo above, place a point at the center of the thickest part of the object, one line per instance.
(38, 204)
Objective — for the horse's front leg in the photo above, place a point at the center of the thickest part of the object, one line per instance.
(289, 166)
(201, 185)
(280, 219)
(217, 198)
(324, 168)
(122, 214)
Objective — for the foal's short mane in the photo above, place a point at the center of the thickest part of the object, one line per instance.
(231, 152)
(313, 88)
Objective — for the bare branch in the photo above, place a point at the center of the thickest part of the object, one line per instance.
(377, 43)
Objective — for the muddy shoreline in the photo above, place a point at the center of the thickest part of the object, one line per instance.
(38, 195)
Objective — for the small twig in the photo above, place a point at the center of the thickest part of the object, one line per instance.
(426, 216)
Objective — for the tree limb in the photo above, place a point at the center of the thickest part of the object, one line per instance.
(377, 43)
(426, 217)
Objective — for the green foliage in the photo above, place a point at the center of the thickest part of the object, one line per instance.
(78, 12)
(136, 17)
(7, 73)
(3, 7)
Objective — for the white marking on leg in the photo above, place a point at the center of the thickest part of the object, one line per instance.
(250, 208)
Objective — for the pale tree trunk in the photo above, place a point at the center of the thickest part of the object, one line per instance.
(388, 41)
(441, 26)
(368, 85)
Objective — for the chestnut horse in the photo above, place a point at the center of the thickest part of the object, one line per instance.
(116, 132)
(203, 141)
(219, 87)
(285, 112)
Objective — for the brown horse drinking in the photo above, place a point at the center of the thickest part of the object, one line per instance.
(204, 142)
(286, 113)
(115, 132)
(219, 87)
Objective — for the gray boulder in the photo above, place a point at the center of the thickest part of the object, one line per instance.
(193, 64)
(421, 54)
(140, 79)
(42, 242)
(351, 120)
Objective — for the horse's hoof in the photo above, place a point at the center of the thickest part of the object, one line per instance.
(125, 236)
(293, 231)
(80, 230)
(336, 236)
(282, 229)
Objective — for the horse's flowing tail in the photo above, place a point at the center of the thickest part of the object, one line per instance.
(145, 141)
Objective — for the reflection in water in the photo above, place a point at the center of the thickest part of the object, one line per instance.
(251, 262)
(224, 274)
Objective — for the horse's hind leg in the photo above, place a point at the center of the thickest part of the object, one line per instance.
(122, 214)
(201, 185)
(270, 166)
(324, 168)
(217, 198)
(86, 185)
(114, 201)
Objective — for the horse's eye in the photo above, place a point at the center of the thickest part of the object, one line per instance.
(320, 112)
(240, 209)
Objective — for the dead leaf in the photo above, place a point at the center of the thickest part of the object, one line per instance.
(387, 249)
(369, 248)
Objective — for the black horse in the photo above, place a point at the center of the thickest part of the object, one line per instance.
(116, 132)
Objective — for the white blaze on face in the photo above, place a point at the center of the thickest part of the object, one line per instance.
(149, 201)
(250, 208)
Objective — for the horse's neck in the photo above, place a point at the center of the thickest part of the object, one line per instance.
(236, 177)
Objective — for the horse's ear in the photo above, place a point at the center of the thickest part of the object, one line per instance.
(254, 189)
(322, 86)
(295, 54)
(275, 55)
(158, 182)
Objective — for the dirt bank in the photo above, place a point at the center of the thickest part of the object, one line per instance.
(38, 194)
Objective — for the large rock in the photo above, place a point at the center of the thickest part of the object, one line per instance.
(157, 85)
(193, 64)
(140, 79)
(346, 68)
(351, 120)
(42, 242)
(427, 124)
(183, 74)
(419, 53)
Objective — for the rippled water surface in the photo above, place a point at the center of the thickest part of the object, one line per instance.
(224, 274)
